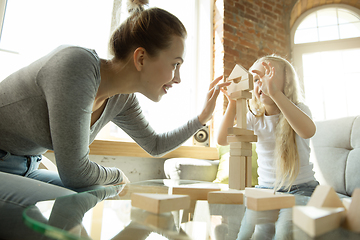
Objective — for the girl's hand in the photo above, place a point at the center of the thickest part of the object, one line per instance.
(268, 82)
(210, 103)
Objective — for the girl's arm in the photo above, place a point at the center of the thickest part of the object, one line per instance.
(302, 124)
(227, 122)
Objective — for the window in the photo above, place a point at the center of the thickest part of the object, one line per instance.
(326, 47)
(328, 24)
(33, 28)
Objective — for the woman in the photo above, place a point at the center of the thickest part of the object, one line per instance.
(61, 101)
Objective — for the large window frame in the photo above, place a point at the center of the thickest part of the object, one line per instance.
(298, 50)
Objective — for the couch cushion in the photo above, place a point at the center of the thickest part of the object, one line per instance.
(335, 153)
(222, 175)
(191, 169)
(352, 176)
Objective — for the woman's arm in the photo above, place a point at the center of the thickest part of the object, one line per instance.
(69, 81)
(134, 123)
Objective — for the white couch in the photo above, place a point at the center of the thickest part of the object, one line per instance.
(336, 153)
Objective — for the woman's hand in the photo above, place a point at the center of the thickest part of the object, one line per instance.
(224, 91)
(210, 103)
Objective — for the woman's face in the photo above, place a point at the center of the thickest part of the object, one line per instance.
(162, 71)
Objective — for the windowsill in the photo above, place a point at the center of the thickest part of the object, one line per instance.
(131, 149)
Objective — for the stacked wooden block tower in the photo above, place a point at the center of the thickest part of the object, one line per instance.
(240, 137)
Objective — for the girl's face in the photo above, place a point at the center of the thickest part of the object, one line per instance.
(263, 81)
(162, 71)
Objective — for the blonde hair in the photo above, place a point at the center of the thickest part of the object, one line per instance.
(286, 151)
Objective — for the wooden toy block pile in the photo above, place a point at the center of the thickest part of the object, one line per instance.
(323, 213)
(326, 212)
(240, 137)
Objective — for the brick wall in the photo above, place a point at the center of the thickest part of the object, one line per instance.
(253, 29)
(245, 30)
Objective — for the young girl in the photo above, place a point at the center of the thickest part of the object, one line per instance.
(283, 125)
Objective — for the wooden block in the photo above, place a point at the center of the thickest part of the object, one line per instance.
(237, 171)
(324, 196)
(245, 84)
(352, 220)
(240, 131)
(245, 138)
(242, 145)
(195, 193)
(251, 191)
(317, 221)
(265, 199)
(346, 202)
(97, 220)
(162, 220)
(230, 196)
(238, 72)
(240, 152)
(159, 203)
(241, 94)
(241, 113)
(248, 180)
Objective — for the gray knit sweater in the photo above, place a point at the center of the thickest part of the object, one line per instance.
(48, 104)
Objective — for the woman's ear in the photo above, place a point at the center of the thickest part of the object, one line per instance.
(139, 56)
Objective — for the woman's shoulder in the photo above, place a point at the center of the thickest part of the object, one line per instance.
(75, 52)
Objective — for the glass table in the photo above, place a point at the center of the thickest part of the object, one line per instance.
(106, 213)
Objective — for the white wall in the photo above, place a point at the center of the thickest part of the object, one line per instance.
(135, 168)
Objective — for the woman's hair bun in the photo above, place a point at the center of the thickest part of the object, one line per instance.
(136, 5)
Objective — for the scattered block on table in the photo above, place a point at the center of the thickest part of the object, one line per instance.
(242, 145)
(251, 191)
(241, 94)
(195, 193)
(317, 221)
(324, 196)
(352, 220)
(162, 220)
(160, 203)
(346, 202)
(245, 138)
(230, 196)
(265, 199)
(237, 172)
(239, 131)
